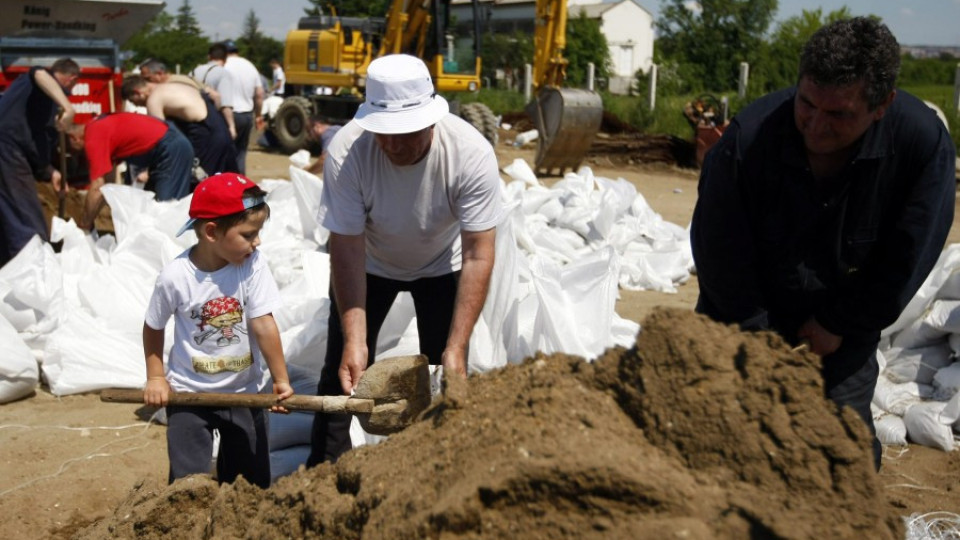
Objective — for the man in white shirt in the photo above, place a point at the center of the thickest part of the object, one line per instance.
(411, 197)
(213, 75)
(279, 79)
(247, 98)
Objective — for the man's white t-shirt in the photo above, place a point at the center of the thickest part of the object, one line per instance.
(279, 77)
(246, 79)
(213, 349)
(412, 215)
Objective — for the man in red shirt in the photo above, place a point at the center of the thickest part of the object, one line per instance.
(141, 139)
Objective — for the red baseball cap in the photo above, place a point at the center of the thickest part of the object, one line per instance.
(221, 195)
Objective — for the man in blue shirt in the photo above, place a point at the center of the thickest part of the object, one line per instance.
(27, 110)
(824, 206)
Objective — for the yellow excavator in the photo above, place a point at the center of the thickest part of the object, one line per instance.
(326, 60)
(567, 119)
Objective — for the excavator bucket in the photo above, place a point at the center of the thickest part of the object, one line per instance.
(567, 121)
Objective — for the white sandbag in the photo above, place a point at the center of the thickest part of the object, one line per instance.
(520, 170)
(32, 280)
(925, 426)
(575, 304)
(19, 372)
(916, 334)
(897, 398)
(946, 382)
(918, 365)
(944, 315)
(891, 430)
(308, 188)
(945, 267)
(82, 355)
(951, 413)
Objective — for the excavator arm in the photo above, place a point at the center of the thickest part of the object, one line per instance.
(567, 119)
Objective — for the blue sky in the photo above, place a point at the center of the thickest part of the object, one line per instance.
(914, 22)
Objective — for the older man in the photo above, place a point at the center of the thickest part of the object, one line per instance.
(411, 196)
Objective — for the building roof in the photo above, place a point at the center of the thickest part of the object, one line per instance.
(593, 10)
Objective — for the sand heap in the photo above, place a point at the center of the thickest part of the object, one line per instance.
(697, 432)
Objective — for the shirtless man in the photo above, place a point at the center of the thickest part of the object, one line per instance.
(194, 113)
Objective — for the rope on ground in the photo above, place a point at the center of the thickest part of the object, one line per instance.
(933, 526)
(93, 454)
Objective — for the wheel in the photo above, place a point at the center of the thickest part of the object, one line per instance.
(481, 117)
(291, 124)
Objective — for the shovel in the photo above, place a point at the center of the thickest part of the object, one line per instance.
(389, 396)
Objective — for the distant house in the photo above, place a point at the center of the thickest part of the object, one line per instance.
(626, 24)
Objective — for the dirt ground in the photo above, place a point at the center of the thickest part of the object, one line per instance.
(701, 432)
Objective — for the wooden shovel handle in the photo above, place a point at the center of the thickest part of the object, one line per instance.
(296, 402)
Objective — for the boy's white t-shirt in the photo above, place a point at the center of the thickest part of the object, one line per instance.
(213, 348)
(411, 215)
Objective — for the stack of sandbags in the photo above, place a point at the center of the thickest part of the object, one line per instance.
(917, 398)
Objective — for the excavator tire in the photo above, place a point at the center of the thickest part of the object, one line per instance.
(291, 124)
(481, 117)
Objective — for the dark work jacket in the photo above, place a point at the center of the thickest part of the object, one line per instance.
(26, 120)
(772, 248)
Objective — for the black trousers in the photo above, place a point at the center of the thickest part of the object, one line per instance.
(244, 125)
(433, 300)
(850, 378)
(244, 448)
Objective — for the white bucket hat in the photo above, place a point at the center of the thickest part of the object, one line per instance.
(400, 97)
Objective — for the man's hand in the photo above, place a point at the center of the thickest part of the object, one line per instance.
(352, 365)
(57, 180)
(454, 360)
(822, 341)
(66, 119)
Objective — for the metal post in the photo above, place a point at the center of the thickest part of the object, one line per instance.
(653, 86)
(744, 77)
(527, 81)
(590, 72)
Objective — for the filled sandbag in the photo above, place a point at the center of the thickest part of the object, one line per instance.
(917, 365)
(19, 372)
(926, 426)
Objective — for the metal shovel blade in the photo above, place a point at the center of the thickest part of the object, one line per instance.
(567, 120)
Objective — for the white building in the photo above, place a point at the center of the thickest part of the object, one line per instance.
(626, 24)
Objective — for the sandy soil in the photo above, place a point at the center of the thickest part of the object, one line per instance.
(553, 448)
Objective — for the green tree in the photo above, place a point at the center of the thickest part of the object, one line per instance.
(585, 44)
(161, 39)
(257, 47)
(711, 41)
(507, 52)
(187, 20)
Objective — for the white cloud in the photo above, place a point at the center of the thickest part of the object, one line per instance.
(907, 12)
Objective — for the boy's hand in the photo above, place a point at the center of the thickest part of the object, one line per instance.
(157, 392)
(283, 390)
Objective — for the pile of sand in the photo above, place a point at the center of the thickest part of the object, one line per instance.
(698, 432)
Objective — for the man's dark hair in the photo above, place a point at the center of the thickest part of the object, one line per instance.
(130, 84)
(65, 66)
(217, 51)
(224, 223)
(851, 50)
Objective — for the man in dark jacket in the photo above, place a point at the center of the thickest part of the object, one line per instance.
(823, 207)
(27, 110)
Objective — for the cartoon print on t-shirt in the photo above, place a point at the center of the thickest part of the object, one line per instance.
(224, 315)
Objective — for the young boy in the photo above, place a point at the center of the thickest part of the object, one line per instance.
(209, 289)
